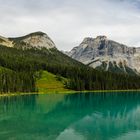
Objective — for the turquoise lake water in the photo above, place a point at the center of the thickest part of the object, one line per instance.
(85, 116)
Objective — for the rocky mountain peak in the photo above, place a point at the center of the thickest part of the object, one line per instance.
(88, 39)
(38, 40)
(97, 39)
(33, 40)
(100, 52)
(38, 33)
(101, 37)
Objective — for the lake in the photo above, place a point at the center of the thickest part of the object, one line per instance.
(82, 116)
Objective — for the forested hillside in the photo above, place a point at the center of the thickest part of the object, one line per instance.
(18, 70)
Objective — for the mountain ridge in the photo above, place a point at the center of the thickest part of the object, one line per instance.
(33, 40)
(98, 51)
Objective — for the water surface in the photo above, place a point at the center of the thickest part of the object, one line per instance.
(85, 116)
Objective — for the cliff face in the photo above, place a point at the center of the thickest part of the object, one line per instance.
(106, 54)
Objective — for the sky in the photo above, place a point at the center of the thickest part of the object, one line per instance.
(68, 22)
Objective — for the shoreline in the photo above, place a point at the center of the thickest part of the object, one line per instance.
(65, 92)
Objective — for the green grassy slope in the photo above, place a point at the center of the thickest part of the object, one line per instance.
(50, 83)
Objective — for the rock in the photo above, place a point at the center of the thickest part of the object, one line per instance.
(5, 42)
(39, 40)
(34, 40)
(98, 51)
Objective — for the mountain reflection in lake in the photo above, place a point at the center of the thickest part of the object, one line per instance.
(85, 116)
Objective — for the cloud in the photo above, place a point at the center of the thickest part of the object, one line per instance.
(67, 22)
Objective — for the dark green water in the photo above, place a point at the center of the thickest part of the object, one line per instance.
(89, 116)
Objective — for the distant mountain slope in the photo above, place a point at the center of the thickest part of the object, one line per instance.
(34, 40)
(5, 42)
(107, 55)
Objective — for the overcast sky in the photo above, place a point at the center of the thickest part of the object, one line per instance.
(67, 22)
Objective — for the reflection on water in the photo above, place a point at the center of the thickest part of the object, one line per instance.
(88, 116)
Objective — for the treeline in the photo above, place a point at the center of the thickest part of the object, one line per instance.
(86, 78)
(18, 72)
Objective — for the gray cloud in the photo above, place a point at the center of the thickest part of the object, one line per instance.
(67, 22)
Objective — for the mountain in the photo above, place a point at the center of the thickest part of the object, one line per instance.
(35, 45)
(108, 55)
(34, 40)
(21, 58)
(32, 63)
